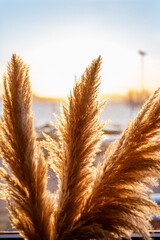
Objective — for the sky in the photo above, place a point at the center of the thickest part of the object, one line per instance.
(60, 38)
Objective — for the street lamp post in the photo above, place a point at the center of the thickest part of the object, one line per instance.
(142, 54)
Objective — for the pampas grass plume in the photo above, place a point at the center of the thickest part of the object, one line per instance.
(108, 201)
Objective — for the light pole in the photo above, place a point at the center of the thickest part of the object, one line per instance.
(142, 54)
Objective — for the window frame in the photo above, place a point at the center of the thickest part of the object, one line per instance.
(155, 234)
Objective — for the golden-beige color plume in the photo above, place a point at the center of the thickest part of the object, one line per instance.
(108, 201)
(72, 158)
(119, 201)
(24, 190)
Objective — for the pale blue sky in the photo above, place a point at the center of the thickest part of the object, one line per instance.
(58, 39)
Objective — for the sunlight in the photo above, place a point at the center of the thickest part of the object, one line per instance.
(55, 64)
(52, 130)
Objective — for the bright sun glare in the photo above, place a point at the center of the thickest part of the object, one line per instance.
(55, 64)
(60, 42)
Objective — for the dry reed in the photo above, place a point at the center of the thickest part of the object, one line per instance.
(24, 190)
(106, 202)
(119, 202)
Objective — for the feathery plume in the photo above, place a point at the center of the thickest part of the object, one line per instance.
(72, 157)
(119, 202)
(24, 190)
(106, 202)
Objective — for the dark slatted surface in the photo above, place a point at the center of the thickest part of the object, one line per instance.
(14, 235)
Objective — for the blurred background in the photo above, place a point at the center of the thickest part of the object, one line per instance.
(58, 39)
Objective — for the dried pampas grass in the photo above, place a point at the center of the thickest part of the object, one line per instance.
(29, 202)
(109, 201)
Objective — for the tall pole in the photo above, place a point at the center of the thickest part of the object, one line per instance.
(142, 54)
